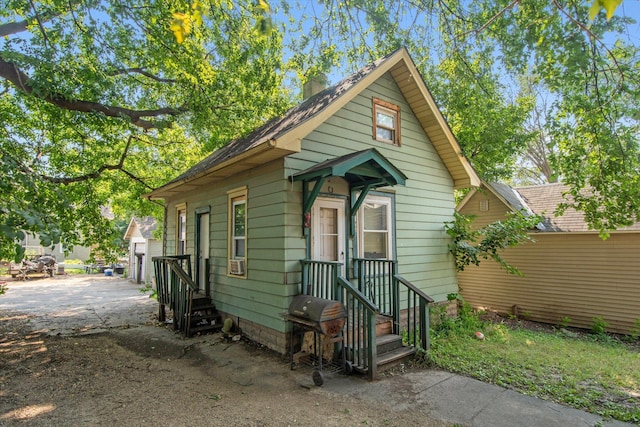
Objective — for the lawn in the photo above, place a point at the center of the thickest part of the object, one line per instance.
(598, 373)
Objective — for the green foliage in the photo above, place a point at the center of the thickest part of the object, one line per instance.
(99, 105)
(582, 115)
(592, 375)
(599, 326)
(564, 322)
(470, 246)
(153, 293)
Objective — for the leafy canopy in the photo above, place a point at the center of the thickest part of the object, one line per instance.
(475, 57)
(99, 104)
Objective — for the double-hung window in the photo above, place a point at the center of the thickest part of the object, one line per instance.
(375, 229)
(237, 231)
(386, 122)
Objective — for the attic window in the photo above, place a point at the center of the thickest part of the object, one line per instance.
(386, 122)
(484, 205)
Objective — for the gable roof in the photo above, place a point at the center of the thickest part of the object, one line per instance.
(543, 200)
(282, 136)
(146, 225)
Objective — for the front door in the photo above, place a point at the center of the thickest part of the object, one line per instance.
(328, 230)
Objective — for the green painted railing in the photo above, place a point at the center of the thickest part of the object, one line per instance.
(379, 290)
(175, 289)
(411, 316)
(360, 330)
(375, 281)
(319, 278)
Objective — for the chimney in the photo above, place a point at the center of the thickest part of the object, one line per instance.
(314, 85)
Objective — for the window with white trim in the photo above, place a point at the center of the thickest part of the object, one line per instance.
(239, 228)
(375, 228)
(181, 229)
(237, 231)
(386, 122)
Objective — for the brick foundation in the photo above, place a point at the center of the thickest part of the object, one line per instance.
(270, 338)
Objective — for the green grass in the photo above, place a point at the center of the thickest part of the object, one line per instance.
(598, 374)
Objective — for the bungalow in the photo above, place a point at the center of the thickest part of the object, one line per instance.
(571, 275)
(343, 198)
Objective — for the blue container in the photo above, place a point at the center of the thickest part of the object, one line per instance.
(108, 272)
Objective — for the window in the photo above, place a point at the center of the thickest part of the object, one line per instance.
(375, 228)
(237, 231)
(484, 205)
(386, 122)
(181, 229)
(238, 228)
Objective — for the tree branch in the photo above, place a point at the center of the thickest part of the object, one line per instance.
(20, 80)
(142, 71)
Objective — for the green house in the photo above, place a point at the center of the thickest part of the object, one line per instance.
(343, 198)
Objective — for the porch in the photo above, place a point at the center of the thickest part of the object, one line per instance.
(387, 316)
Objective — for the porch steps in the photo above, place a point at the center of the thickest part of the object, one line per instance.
(390, 353)
(388, 345)
(203, 316)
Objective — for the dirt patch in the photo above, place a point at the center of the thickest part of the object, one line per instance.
(147, 375)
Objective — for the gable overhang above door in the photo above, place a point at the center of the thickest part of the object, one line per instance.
(363, 170)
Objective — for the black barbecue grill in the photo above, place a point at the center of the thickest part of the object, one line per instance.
(322, 317)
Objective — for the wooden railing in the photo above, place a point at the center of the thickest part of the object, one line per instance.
(175, 289)
(360, 336)
(375, 281)
(379, 290)
(319, 278)
(411, 317)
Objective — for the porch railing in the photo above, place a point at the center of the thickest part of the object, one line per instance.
(411, 317)
(360, 336)
(319, 278)
(376, 289)
(375, 281)
(175, 289)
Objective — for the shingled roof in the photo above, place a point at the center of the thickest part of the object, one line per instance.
(544, 200)
(146, 225)
(281, 136)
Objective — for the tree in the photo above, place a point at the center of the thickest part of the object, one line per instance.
(99, 104)
(469, 246)
(579, 57)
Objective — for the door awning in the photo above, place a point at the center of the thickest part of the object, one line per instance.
(363, 170)
(359, 169)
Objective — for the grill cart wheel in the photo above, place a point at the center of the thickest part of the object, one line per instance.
(318, 379)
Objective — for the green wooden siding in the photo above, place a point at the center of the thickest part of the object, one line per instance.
(422, 206)
(275, 242)
(262, 296)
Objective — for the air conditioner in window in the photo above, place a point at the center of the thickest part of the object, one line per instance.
(236, 266)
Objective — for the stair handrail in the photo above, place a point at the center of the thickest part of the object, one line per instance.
(420, 324)
(180, 286)
(361, 315)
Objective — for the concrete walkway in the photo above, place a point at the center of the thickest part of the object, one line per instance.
(70, 305)
(462, 401)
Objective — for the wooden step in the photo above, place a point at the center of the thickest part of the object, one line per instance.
(393, 357)
(384, 325)
(387, 343)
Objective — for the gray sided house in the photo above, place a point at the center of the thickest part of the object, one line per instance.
(143, 246)
(343, 198)
(571, 276)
